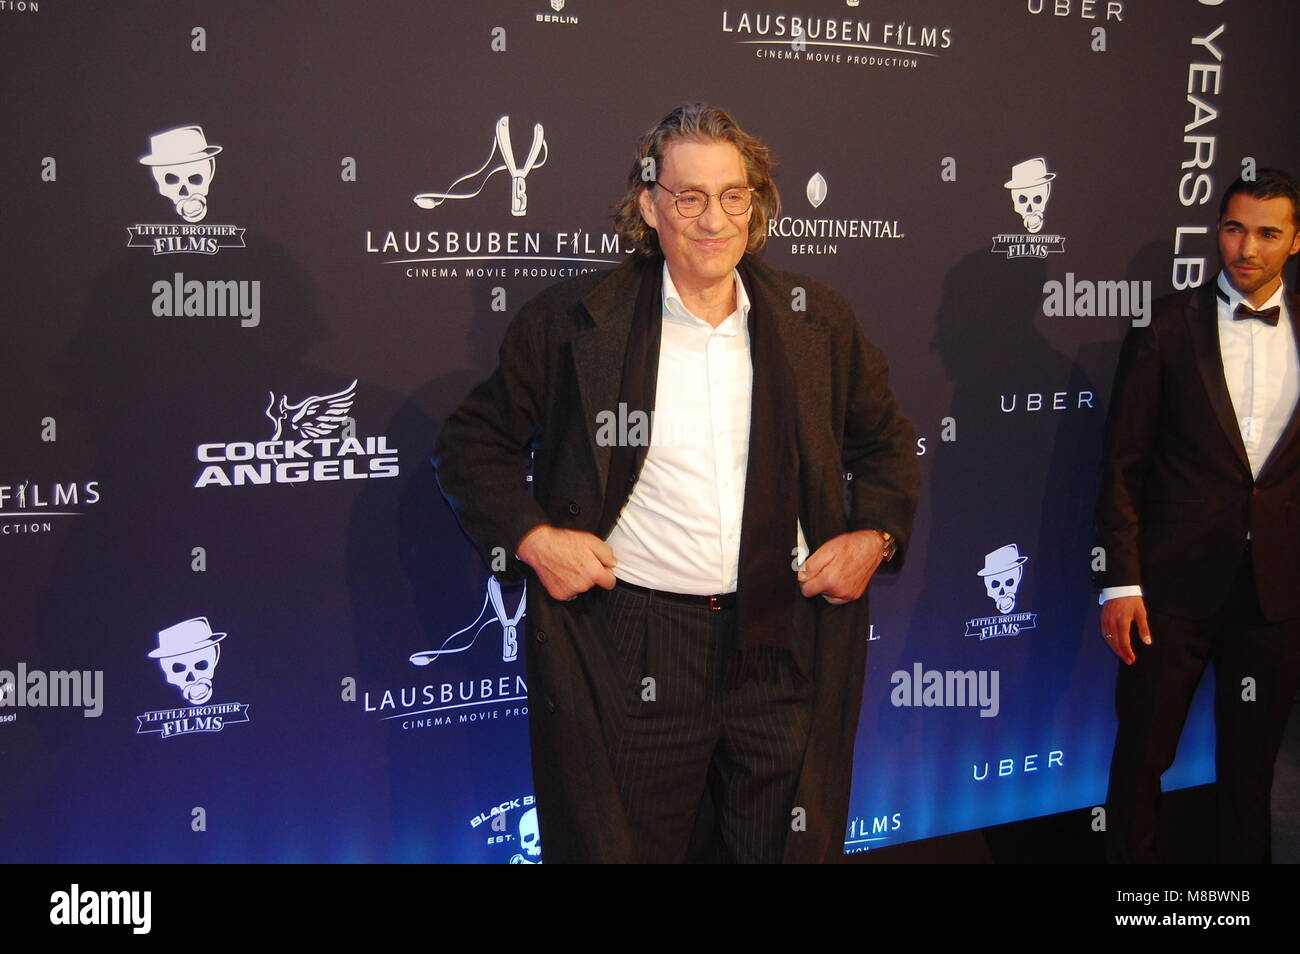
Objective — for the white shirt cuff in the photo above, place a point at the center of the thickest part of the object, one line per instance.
(1114, 592)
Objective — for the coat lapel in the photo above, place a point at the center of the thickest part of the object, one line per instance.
(1203, 328)
(808, 352)
(598, 353)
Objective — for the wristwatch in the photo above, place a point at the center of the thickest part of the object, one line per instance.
(891, 546)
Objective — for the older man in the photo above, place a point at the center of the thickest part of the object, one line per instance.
(695, 675)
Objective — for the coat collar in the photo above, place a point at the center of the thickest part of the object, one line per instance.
(598, 350)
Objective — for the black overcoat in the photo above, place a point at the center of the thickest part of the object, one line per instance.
(560, 365)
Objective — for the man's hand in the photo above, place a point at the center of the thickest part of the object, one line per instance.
(568, 562)
(1117, 619)
(841, 568)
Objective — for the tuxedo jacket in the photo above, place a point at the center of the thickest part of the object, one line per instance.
(1177, 495)
(560, 365)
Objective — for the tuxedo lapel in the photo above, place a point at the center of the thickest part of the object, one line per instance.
(1203, 328)
(1288, 438)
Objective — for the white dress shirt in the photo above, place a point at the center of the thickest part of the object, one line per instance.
(680, 529)
(1262, 370)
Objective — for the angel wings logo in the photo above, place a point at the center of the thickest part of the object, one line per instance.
(312, 417)
(313, 440)
(476, 180)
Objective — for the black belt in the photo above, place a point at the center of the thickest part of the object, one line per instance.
(715, 601)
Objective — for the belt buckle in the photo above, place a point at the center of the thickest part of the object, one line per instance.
(713, 602)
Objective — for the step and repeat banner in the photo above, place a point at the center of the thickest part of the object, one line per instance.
(255, 253)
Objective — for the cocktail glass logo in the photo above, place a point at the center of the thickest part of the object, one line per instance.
(1004, 568)
(509, 628)
(1030, 186)
(477, 179)
(183, 164)
(312, 417)
(187, 654)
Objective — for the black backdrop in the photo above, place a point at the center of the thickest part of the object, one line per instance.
(897, 126)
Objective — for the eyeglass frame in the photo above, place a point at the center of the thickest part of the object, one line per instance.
(750, 190)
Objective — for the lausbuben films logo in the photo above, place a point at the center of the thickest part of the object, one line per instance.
(187, 654)
(848, 41)
(476, 180)
(1030, 187)
(871, 831)
(183, 164)
(489, 684)
(507, 252)
(312, 441)
(33, 506)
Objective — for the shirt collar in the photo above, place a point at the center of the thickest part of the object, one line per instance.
(675, 310)
(1235, 297)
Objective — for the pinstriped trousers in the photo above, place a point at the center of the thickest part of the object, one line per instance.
(679, 726)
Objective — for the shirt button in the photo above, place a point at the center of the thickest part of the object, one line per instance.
(540, 636)
(574, 508)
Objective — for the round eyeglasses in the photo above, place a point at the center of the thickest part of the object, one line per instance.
(692, 203)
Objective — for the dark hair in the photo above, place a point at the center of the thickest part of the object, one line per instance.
(697, 122)
(1266, 184)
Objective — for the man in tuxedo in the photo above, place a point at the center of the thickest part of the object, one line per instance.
(697, 621)
(1199, 516)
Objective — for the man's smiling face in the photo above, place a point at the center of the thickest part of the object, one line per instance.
(701, 251)
(1256, 237)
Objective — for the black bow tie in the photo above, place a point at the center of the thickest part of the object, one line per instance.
(1267, 315)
